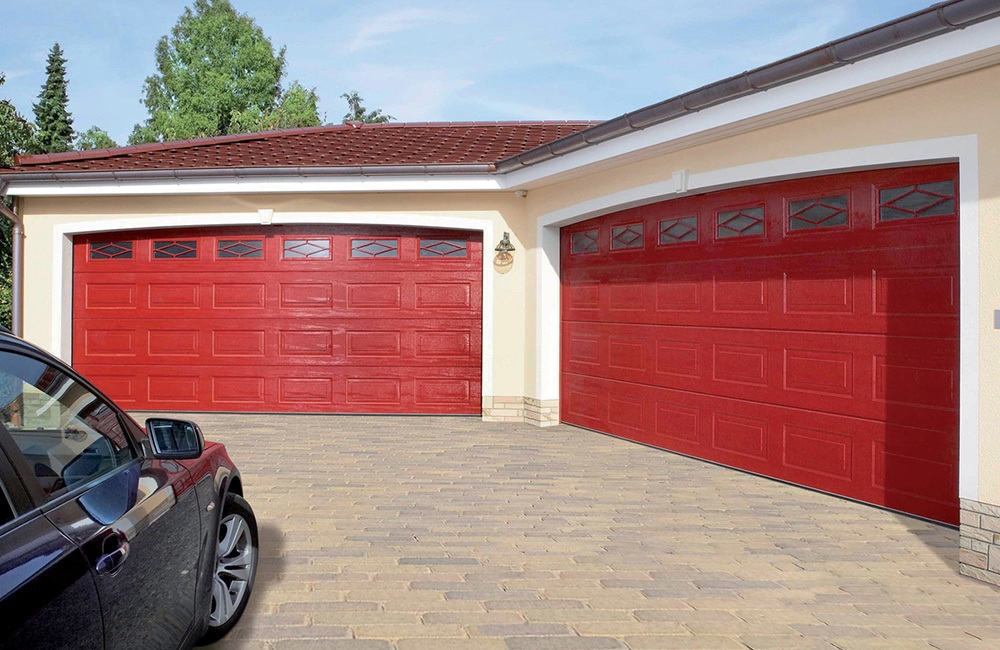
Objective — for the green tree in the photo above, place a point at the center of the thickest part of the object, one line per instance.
(16, 132)
(15, 136)
(217, 73)
(52, 118)
(94, 138)
(297, 107)
(358, 113)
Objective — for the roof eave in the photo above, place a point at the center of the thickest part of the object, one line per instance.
(12, 176)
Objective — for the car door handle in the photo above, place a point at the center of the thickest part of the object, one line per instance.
(111, 562)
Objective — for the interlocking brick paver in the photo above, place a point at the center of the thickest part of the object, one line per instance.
(413, 533)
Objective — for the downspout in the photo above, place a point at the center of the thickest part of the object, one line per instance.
(17, 265)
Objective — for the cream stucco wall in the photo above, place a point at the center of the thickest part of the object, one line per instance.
(967, 105)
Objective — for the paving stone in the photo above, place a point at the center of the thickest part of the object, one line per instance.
(413, 533)
(563, 643)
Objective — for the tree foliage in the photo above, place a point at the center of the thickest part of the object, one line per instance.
(297, 107)
(217, 73)
(94, 138)
(16, 132)
(15, 136)
(52, 119)
(358, 113)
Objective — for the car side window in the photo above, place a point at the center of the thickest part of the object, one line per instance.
(6, 510)
(66, 434)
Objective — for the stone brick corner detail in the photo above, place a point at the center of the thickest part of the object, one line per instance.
(979, 541)
(542, 413)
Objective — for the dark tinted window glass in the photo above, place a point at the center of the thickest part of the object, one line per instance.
(583, 242)
(629, 236)
(306, 249)
(6, 511)
(818, 213)
(675, 231)
(111, 250)
(741, 223)
(443, 247)
(240, 248)
(935, 199)
(374, 248)
(175, 249)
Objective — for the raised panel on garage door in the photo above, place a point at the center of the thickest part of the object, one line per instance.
(336, 319)
(805, 330)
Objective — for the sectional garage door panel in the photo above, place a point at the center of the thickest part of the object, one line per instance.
(372, 320)
(825, 354)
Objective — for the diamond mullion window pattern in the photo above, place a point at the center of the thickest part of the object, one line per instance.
(367, 248)
(826, 212)
(624, 237)
(241, 248)
(676, 231)
(443, 248)
(317, 249)
(111, 250)
(935, 199)
(583, 242)
(175, 249)
(740, 223)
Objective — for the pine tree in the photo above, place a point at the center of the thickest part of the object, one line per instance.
(52, 119)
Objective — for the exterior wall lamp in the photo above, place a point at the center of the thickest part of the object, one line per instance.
(504, 259)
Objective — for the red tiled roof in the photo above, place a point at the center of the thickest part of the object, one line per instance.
(443, 143)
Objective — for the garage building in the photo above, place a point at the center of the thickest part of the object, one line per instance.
(789, 272)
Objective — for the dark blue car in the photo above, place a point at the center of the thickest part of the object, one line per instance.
(111, 535)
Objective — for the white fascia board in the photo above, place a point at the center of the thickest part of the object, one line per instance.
(840, 86)
(260, 185)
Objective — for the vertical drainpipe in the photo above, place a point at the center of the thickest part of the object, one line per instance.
(17, 265)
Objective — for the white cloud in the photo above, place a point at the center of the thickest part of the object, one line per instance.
(378, 29)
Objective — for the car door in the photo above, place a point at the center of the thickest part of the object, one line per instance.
(47, 594)
(136, 519)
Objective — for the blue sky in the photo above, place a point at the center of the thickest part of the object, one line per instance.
(500, 60)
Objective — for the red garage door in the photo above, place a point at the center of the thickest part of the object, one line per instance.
(805, 330)
(320, 319)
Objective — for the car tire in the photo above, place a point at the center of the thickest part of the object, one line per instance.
(234, 569)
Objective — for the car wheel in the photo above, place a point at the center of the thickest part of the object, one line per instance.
(235, 567)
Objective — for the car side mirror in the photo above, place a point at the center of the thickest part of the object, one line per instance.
(175, 439)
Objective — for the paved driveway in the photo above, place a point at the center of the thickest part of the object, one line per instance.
(405, 532)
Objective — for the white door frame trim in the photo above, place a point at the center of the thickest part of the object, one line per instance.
(961, 149)
(62, 258)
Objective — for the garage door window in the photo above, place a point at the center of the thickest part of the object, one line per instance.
(741, 223)
(924, 200)
(443, 248)
(240, 248)
(369, 248)
(676, 231)
(583, 242)
(111, 250)
(175, 249)
(306, 249)
(625, 237)
(827, 212)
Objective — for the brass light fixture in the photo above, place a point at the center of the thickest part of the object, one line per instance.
(504, 259)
